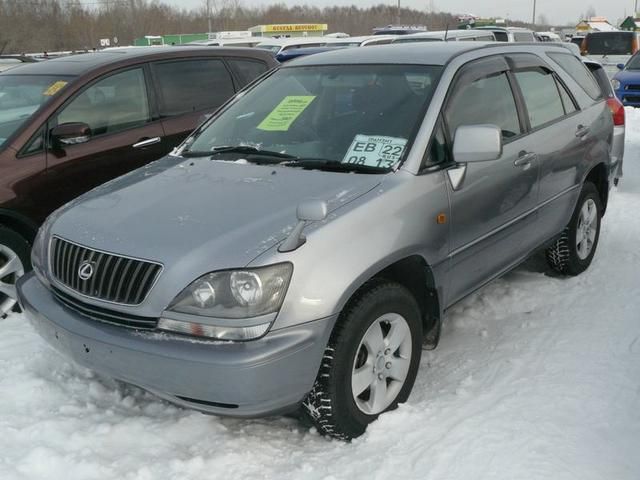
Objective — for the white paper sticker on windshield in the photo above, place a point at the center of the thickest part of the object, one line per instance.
(375, 151)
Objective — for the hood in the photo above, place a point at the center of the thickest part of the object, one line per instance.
(625, 76)
(204, 214)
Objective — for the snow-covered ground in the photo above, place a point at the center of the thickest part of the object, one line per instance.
(536, 377)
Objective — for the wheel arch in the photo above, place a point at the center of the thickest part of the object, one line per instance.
(20, 224)
(599, 176)
(416, 275)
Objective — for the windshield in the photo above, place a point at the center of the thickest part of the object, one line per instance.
(21, 96)
(362, 115)
(633, 63)
(614, 43)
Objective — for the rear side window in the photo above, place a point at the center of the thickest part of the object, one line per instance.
(541, 96)
(501, 36)
(602, 78)
(192, 85)
(486, 100)
(609, 43)
(248, 70)
(577, 70)
(523, 37)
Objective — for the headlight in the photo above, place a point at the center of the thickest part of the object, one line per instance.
(39, 252)
(615, 84)
(249, 293)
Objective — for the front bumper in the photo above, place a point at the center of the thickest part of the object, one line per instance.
(251, 379)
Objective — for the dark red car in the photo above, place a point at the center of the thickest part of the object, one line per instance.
(70, 124)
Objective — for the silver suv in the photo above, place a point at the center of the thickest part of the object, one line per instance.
(301, 248)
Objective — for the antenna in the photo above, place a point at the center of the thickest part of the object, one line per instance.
(446, 32)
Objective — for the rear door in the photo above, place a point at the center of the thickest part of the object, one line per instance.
(189, 90)
(126, 134)
(493, 210)
(570, 142)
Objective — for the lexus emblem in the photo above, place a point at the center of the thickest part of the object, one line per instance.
(85, 272)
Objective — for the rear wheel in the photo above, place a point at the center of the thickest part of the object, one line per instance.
(370, 363)
(14, 261)
(573, 252)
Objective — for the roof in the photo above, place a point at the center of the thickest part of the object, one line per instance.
(428, 53)
(74, 65)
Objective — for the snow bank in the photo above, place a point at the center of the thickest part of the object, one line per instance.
(536, 377)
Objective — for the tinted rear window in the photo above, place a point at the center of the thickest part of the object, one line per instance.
(192, 85)
(501, 36)
(248, 70)
(577, 70)
(602, 78)
(610, 43)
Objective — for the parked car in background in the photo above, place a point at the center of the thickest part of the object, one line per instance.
(228, 42)
(449, 36)
(626, 82)
(300, 248)
(399, 29)
(68, 125)
(8, 62)
(510, 34)
(279, 45)
(617, 111)
(577, 40)
(610, 48)
(547, 37)
(363, 41)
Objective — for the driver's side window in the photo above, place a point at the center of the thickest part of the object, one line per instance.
(113, 104)
(486, 100)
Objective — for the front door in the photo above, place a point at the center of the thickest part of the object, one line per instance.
(492, 209)
(124, 135)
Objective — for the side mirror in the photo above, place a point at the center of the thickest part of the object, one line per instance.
(71, 133)
(312, 211)
(620, 66)
(307, 211)
(477, 143)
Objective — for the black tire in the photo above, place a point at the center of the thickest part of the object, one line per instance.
(22, 248)
(563, 255)
(330, 406)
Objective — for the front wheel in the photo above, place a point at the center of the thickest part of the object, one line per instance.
(370, 363)
(573, 252)
(14, 261)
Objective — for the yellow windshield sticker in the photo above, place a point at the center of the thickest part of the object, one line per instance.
(54, 88)
(282, 117)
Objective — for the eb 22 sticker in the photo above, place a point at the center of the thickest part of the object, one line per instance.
(375, 151)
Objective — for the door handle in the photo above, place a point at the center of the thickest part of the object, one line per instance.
(525, 159)
(582, 131)
(145, 142)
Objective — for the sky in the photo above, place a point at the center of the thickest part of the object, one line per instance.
(556, 11)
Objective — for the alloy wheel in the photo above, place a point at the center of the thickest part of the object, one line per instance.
(381, 364)
(11, 268)
(587, 229)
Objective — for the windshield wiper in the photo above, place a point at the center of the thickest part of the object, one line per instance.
(333, 165)
(243, 149)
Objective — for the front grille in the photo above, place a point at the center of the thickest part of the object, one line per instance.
(631, 98)
(104, 315)
(114, 278)
(632, 87)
